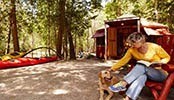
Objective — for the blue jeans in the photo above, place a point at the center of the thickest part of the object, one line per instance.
(138, 76)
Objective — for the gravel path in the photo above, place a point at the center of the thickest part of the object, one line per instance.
(60, 80)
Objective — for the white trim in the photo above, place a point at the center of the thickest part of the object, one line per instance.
(138, 26)
(105, 56)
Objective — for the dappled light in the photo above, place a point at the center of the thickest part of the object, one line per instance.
(59, 91)
(51, 79)
(66, 80)
(107, 63)
(56, 49)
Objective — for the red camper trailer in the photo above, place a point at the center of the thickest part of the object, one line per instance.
(118, 30)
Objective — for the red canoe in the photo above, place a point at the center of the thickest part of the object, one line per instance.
(26, 61)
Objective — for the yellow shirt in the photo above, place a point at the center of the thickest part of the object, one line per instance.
(154, 53)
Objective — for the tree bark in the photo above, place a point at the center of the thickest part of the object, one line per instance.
(69, 35)
(8, 44)
(61, 28)
(49, 26)
(72, 51)
(13, 26)
(66, 45)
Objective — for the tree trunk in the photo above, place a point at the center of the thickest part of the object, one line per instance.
(72, 51)
(61, 26)
(66, 46)
(13, 26)
(8, 44)
(70, 40)
(156, 10)
(49, 26)
(66, 39)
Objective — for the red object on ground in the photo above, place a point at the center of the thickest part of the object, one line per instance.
(26, 61)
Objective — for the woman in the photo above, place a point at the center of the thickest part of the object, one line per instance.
(136, 78)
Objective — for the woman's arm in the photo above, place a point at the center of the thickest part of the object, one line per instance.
(124, 60)
(165, 57)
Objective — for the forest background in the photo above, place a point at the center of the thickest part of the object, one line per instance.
(68, 25)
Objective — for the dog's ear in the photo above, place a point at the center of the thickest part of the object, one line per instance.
(100, 75)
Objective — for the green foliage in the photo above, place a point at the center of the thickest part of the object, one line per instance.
(4, 23)
(166, 13)
(79, 18)
(37, 21)
(118, 8)
(34, 21)
(155, 10)
(77, 15)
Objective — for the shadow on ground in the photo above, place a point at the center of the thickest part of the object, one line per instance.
(61, 80)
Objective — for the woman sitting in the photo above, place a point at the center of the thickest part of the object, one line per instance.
(136, 78)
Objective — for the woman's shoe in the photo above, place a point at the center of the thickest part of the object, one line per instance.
(117, 87)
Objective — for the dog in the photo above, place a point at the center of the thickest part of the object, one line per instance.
(106, 80)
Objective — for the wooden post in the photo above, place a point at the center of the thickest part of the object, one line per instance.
(105, 56)
(138, 25)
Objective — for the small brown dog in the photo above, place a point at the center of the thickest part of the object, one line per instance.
(106, 80)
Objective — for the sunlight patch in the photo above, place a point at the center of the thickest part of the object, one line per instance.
(108, 63)
(81, 76)
(40, 93)
(60, 91)
(2, 85)
(62, 74)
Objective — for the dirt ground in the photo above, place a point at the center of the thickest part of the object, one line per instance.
(59, 80)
